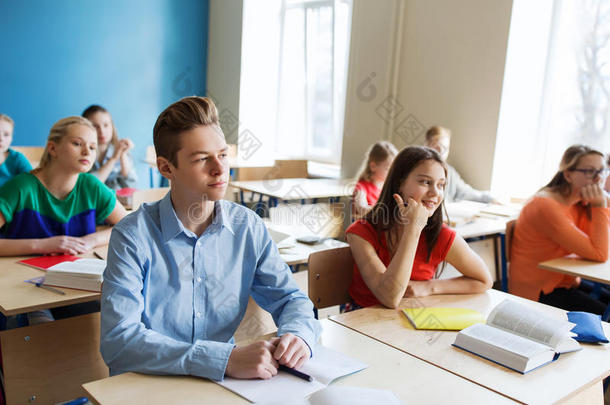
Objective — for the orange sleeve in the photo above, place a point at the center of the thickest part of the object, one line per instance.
(557, 227)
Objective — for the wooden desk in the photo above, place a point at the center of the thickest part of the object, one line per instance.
(412, 380)
(594, 271)
(46, 363)
(297, 189)
(575, 377)
(18, 297)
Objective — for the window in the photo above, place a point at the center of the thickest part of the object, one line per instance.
(556, 90)
(294, 76)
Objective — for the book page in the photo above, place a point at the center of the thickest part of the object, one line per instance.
(83, 267)
(527, 322)
(324, 367)
(506, 340)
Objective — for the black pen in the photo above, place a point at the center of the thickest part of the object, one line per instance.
(296, 373)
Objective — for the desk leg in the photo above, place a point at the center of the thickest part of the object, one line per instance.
(47, 363)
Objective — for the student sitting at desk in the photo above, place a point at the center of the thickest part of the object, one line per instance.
(568, 215)
(56, 207)
(113, 165)
(180, 270)
(371, 176)
(400, 243)
(12, 162)
(456, 189)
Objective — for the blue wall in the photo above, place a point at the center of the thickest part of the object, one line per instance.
(133, 57)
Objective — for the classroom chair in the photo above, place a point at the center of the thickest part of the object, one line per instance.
(508, 238)
(147, 195)
(31, 153)
(330, 275)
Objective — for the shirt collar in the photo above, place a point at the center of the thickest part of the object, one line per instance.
(171, 226)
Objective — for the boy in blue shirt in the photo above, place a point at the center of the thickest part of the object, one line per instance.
(180, 270)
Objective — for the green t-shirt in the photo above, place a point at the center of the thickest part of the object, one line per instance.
(31, 211)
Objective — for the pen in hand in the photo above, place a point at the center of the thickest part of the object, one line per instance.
(295, 373)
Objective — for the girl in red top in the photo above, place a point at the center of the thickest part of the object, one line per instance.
(371, 176)
(398, 246)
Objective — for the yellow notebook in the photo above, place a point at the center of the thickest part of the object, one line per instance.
(437, 318)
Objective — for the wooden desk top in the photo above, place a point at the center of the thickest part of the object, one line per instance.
(412, 380)
(572, 374)
(18, 297)
(586, 269)
(296, 189)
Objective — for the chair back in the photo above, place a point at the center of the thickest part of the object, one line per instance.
(330, 275)
(510, 230)
(147, 195)
(282, 169)
(32, 153)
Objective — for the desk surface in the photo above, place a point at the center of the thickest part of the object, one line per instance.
(586, 269)
(17, 296)
(412, 380)
(572, 374)
(297, 189)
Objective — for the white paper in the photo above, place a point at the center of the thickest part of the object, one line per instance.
(343, 395)
(326, 366)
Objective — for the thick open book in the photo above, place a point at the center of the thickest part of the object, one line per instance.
(518, 337)
(325, 366)
(82, 274)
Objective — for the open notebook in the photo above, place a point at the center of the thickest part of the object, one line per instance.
(326, 366)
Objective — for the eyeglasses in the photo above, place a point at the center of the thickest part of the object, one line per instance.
(592, 173)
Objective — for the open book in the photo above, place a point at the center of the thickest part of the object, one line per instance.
(325, 366)
(518, 337)
(82, 274)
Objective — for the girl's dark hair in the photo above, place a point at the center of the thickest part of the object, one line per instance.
(384, 214)
(570, 159)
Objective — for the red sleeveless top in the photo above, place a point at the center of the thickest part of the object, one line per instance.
(422, 270)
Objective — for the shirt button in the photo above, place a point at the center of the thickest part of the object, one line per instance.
(198, 314)
(199, 279)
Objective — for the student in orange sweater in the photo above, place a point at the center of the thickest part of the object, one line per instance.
(568, 215)
(401, 242)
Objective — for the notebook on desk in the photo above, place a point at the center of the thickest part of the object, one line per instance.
(326, 366)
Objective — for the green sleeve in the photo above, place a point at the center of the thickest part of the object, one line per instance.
(104, 198)
(9, 197)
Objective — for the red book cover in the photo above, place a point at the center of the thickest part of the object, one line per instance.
(44, 262)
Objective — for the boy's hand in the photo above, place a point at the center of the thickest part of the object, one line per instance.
(252, 361)
(290, 351)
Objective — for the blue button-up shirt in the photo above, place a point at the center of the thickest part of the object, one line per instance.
(171, 301)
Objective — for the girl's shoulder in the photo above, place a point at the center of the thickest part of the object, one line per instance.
(365, 230)
(446, 235)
